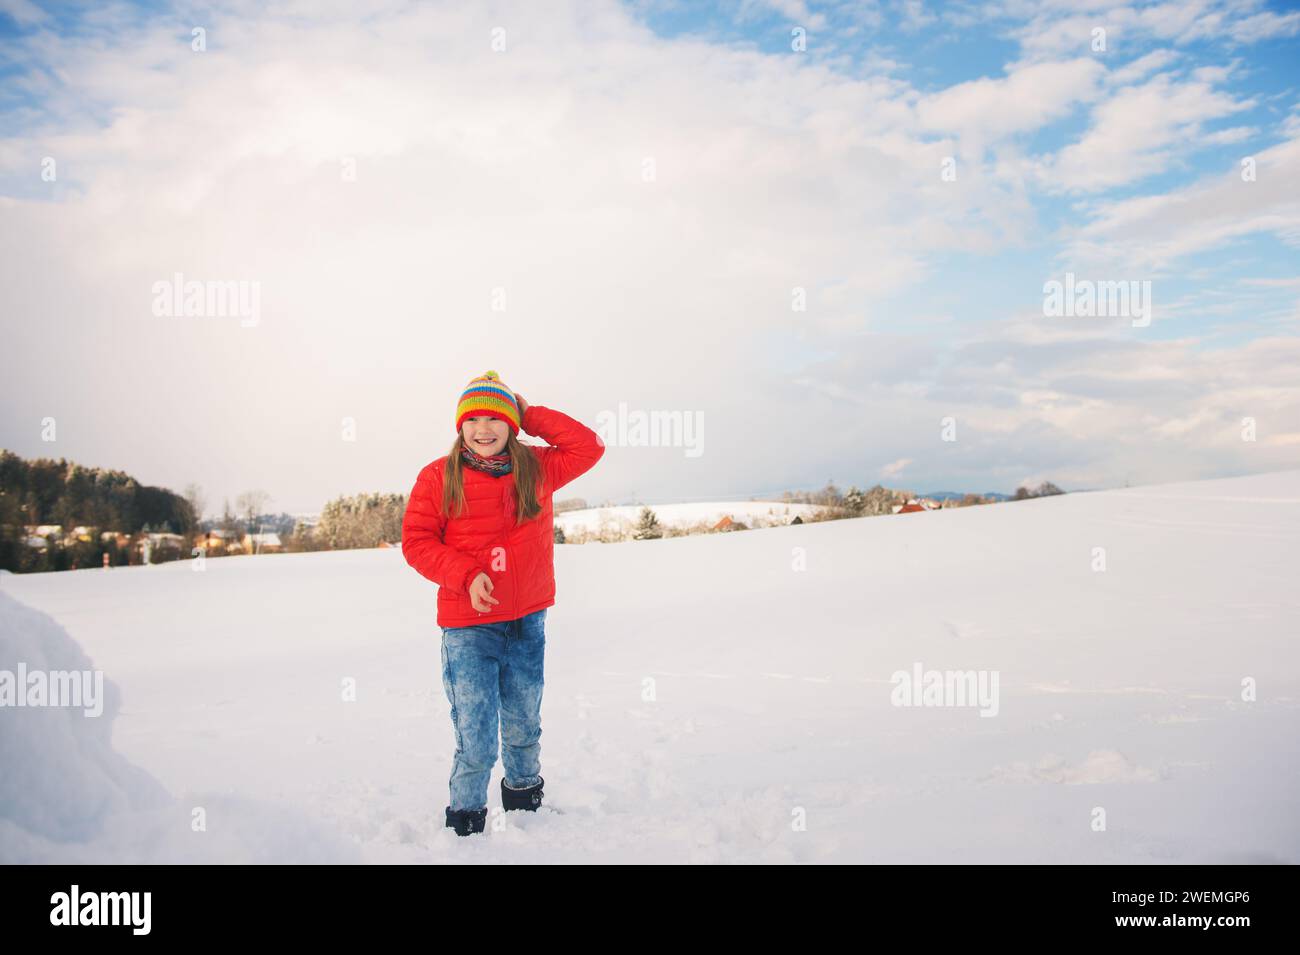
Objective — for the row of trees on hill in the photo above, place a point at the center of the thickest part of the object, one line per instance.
(831, 503)
(93, 513)
(362, 520)
(872, 502)
(60, 515)
(46, 491)
(882, 500)
(110, 511)
(1046, 489)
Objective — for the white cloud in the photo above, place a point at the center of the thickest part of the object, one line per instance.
(22, 12)
(1141, 67)
(1154, 232)
(1076, 402)
(796, 11)
(915, 16)
(1029, 97)
(1064, 28)
(1137, 132)
(1264, 26)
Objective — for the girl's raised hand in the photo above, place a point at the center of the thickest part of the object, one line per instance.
(523, 405)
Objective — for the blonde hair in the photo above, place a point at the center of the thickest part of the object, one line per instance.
(524, 466)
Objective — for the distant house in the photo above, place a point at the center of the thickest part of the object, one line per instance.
(911, 507)
(727, 524)
(268, 543)
(148, 543)
(217, 541)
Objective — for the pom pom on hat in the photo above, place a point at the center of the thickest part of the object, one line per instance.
(486, 395)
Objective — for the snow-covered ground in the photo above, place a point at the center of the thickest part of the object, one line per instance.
(769, 735)
(625, 516)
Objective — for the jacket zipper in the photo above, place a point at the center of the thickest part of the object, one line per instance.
(510, 563)
(510, 569)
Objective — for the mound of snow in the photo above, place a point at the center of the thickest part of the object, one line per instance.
(67, 796)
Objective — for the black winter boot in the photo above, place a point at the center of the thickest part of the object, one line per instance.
(466, 821)
(526, 799)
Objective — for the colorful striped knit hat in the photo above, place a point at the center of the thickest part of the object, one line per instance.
(487, 396)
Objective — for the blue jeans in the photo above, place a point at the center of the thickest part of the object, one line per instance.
(493, 673)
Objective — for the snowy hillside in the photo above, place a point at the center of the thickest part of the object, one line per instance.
(706, 696)
(624, 517)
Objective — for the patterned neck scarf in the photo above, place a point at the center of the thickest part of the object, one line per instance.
(493, 464)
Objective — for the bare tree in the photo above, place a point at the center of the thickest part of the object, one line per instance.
(194, 494)
(250, 504)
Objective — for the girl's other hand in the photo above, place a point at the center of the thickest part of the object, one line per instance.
(523, 405)
(480, 592)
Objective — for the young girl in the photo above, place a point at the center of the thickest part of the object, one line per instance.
(479, 524)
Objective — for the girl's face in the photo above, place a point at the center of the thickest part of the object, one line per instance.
(485, 434)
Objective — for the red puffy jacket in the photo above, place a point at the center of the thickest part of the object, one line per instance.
(452, 551)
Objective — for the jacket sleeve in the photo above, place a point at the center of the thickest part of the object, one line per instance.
(423, 526)
(574, 450)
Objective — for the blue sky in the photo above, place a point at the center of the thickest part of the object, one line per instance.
(964, 42)
(483, 174)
